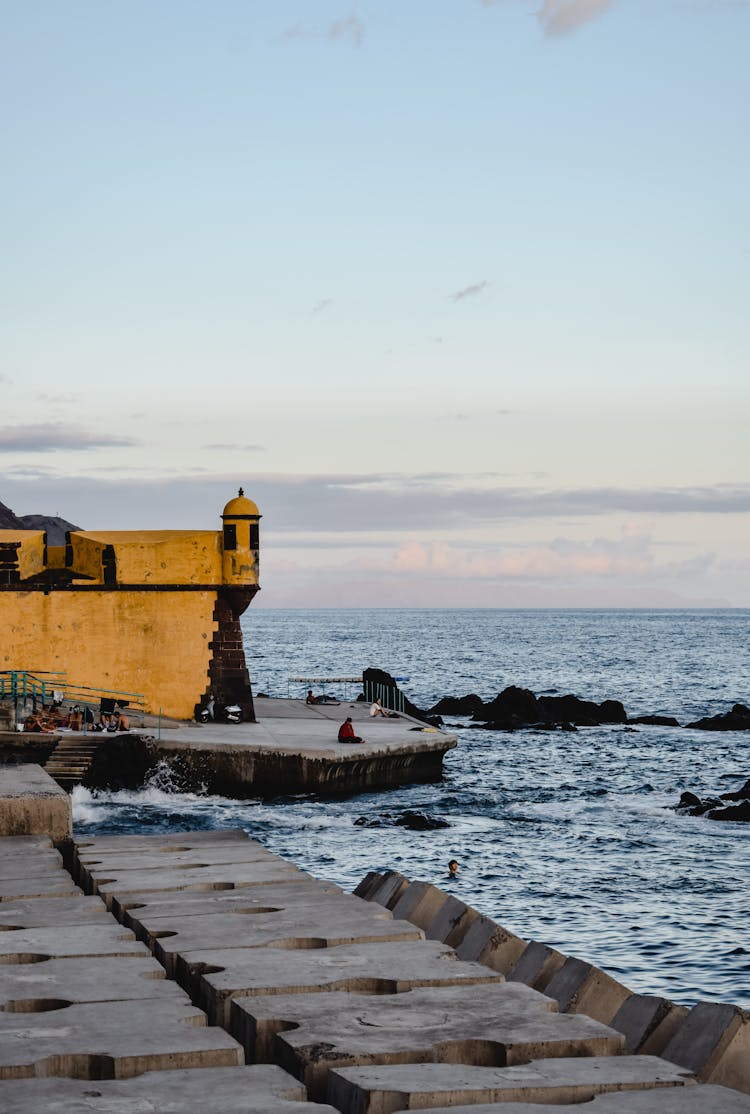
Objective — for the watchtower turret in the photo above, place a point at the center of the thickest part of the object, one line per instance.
(241, 542)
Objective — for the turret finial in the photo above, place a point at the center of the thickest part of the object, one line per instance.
(240, 493)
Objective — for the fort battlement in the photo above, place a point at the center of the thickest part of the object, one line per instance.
(154, 612)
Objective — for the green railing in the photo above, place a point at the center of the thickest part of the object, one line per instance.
(40, 688)
(390, 696)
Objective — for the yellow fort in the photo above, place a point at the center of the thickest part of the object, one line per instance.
(155, 612)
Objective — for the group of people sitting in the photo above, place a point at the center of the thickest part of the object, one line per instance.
(49, 720)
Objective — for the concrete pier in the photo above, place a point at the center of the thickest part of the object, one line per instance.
(292, 748)
(199, 971)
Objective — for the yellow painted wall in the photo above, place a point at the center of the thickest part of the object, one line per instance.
(152, 556)
(155, 643)
(30, 552)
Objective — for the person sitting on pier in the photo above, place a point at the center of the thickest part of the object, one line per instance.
(346, 732)
(310, 699)
(75, 722)
(377, 709)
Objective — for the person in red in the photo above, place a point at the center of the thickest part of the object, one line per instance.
(346, 732)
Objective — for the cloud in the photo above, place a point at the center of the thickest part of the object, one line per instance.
(324, 303)
(345, 506)
(348, 28)
(237, 448)
(45, 397)
(559, 17)
(351, 27)
(56, 436)
(470, 291)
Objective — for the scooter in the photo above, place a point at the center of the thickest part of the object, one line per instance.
(228, 713)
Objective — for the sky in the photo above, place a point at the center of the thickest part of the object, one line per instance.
(457, 290)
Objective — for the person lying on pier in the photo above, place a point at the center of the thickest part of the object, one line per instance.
(346, 732)
(34, 723)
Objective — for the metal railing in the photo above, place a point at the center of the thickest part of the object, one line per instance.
(30, 690)
(390, 696)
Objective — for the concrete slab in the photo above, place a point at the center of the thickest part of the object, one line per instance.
(665, 1100)
(499, 1024)
(17, 863)
(257, 1089)
(114, 1040)
(536, 965)
(714, 1042)
(55, 912)
(579, 987)
(302, 927)
(25, 987)
(214, 977)
(382, 1090)
(490, 943)
(56, 942)
(32, 803)
(49, 883)
(119, 844)
(129, 908)
(24, 843)
(91, 866)
(220, 877)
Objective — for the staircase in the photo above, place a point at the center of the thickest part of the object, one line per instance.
(71, 760)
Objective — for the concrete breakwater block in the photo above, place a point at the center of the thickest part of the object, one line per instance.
(92, 865)
(664, 1100)
(714, 1042)
(53, 912)
(17, 863)
(112, 1040)
(215, 977)
(490, 943)
(223, 876)
(579, 987)
(383, 1090)
(30, 987)
(136, 908)
(302, 927)
(648, 1022)
(38, 883)
(536, 965)
(32, 803)
(50, 942)
(451, 922)
(168, 841)
(385, 888)
(259, 1089)
(495, 1024)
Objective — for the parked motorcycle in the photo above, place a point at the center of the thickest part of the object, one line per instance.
(225, 713)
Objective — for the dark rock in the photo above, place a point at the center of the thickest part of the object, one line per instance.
(738, 813)
(655, 721)
(512, 706)
(416, 821)
(458, 705)
(688, 800)
(738, 719)
(741, 794)
(420, 821)
(584, 713)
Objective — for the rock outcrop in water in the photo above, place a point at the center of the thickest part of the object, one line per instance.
(516, 707)
(716, 808)
(738, 719)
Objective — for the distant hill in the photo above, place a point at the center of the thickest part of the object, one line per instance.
(56, 527)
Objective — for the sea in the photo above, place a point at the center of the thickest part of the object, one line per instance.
(566, 838)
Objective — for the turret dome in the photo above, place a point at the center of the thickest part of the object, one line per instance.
(241, 507)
